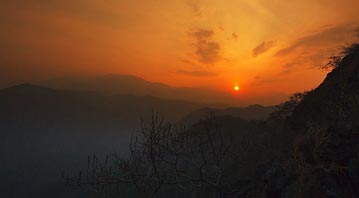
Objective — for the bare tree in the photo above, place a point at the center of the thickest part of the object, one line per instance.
(166, 156)
(336, 60)
(286, 108)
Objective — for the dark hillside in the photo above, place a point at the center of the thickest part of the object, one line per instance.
(325, 128)
(335, 101)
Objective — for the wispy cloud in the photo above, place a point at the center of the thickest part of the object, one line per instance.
(206, 48)
(259, 81)
(262, 48)
(195, 8)
(235, 36)
(329, 36)
(312, 50)
(197, 73)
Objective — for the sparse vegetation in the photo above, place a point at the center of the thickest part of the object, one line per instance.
(335, 60)
(286, 108)
(168, 158)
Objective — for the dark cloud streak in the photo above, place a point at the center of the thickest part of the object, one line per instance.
(194, 5)
(235, 36)
(207, 50)
(197, 73)
(328, 36)
(262, 48)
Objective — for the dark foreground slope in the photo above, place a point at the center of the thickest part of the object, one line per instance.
(327, 154)
(325, 139)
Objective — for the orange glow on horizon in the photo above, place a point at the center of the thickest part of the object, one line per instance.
(198, 43)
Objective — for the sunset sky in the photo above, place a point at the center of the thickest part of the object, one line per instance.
(267, 47)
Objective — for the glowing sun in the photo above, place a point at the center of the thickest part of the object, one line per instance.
(236, 88)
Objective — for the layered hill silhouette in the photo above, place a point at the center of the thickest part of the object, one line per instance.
(132, 85)
(252, 112)
(45, 131)
(30, 103)
(49, 130)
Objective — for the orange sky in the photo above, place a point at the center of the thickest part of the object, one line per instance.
(270, 48)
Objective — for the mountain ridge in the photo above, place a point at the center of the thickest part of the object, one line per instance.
(127, 84)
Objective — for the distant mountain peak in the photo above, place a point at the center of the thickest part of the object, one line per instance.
(254, 106)
(28, 86)
(114, 84)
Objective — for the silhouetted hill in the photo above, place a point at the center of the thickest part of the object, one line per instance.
(325, 138)
(328, 119)
(253, 112)
(126, 84)
(31, 103)
(44, 131)
(48, 130)
(330, 103)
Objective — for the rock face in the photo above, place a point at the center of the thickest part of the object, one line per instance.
(335, 102)
(326, 149)
(323, 137)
